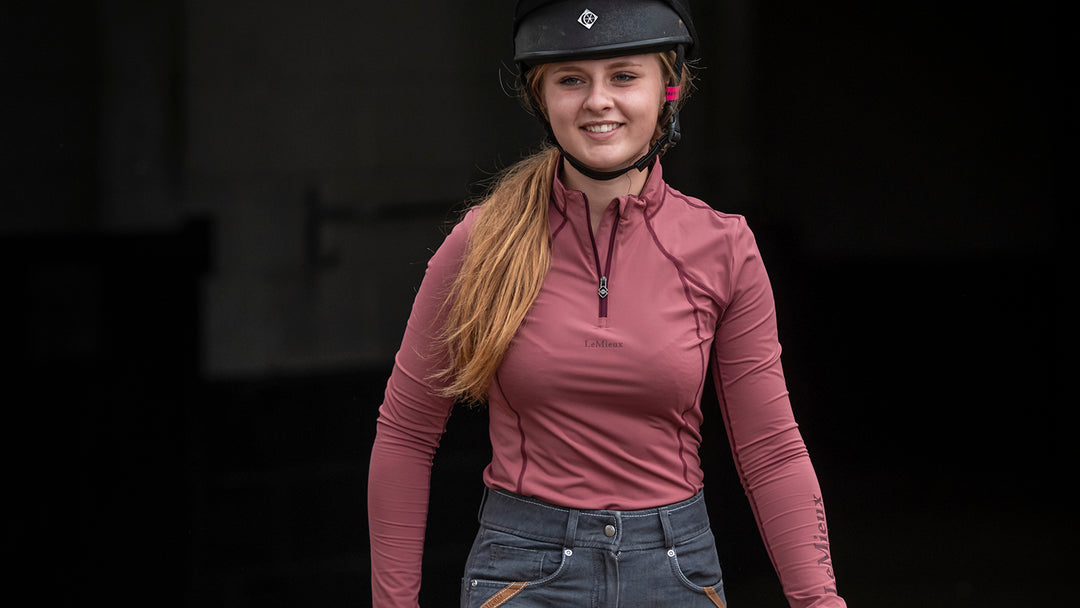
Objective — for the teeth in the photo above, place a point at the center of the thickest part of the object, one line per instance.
(601, 128)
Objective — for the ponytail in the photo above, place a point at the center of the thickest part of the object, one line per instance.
(506, 259)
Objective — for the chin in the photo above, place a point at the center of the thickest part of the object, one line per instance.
(605, 162)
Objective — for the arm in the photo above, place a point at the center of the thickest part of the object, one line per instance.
(411, 421)
(770, 456)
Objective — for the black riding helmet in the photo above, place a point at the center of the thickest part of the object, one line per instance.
(547, 31)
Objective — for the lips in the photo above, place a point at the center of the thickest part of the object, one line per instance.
(602, 127)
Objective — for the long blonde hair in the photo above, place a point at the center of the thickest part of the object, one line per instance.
(507, 255)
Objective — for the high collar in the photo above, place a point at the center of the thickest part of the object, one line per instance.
(652, 193)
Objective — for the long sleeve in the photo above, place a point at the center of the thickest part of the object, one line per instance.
(412, 419)
(770, 455)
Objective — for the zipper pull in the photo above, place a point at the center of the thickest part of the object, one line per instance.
(602, 292)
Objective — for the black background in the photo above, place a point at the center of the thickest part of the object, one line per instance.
(902, 166)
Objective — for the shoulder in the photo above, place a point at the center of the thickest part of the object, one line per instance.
(709, 247)
(690, 226)
(452, 251)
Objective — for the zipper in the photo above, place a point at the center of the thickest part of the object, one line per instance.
(604, 273)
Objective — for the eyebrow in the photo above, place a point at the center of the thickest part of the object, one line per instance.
(611, 66)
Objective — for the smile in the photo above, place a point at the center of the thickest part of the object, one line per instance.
(604, 128)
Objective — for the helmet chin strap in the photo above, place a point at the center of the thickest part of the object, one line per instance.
(670, 137)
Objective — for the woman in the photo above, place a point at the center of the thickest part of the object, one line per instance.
(583, 302)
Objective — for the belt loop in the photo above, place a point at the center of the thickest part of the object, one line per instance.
(571, 529)
(665, 523)
(483, 502)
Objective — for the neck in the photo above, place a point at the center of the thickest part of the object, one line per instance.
(600, 193)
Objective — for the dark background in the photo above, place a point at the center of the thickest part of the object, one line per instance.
(214, 216)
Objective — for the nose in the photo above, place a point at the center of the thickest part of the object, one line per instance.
(598, 98)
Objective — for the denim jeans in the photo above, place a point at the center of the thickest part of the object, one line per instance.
(529, 554)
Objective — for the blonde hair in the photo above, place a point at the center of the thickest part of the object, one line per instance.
(506, 259)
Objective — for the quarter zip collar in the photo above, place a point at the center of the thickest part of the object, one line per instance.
(652, 195)
(598, 243)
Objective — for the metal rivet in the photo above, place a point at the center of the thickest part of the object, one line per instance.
(609, 530)
(671, 552)
(473, 582)
(568, 552)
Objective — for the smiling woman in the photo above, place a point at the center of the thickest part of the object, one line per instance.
(584, 301)
(605, 114)
(604, 111)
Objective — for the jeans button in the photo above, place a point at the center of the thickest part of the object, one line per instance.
(609, 530)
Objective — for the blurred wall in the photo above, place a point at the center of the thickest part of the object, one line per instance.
(329, 143)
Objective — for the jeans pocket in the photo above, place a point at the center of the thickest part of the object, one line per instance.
(501, 566)
(500, 557)
(697, 565)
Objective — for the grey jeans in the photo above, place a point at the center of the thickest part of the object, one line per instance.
(529, 554)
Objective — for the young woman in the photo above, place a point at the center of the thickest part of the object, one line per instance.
(583, 303)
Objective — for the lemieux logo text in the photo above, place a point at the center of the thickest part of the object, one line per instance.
(602, 343)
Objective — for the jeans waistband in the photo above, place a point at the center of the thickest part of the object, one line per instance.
(664, 526)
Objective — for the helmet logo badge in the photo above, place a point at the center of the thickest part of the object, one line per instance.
(588, 18)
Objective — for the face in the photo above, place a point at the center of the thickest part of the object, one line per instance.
(604, 111)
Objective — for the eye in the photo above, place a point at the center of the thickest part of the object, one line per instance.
(569, 80)
(624, 77)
